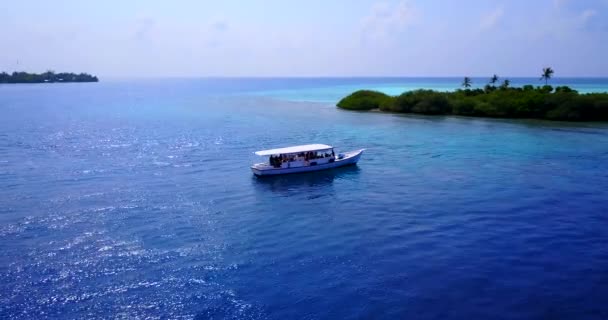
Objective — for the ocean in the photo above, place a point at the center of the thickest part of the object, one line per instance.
(134, 199)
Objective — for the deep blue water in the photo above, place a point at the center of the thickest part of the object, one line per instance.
(134, 199)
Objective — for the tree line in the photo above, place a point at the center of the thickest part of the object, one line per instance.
(49, 76)
(503, 101)
(546, 75)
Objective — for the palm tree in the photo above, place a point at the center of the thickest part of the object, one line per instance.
(494, 79)
(506, 83)
(466, 82)
(547, 73)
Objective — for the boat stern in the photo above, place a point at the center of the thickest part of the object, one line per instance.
(256, 171)
(259, 168)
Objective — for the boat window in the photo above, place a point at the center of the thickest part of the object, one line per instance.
(277, 160)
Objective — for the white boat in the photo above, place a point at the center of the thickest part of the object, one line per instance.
(310, 157)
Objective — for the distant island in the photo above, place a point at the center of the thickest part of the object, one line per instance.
(503, 101)
(47, 77)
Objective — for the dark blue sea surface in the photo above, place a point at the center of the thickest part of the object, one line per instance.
(134, 199)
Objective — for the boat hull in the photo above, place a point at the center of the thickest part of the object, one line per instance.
(350, 158)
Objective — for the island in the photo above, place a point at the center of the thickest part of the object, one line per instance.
(541, 102)
(46, 77)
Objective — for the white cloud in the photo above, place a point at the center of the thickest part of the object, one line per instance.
(586, 15)
(564, 24)
(559, 3)
(215, 32)
(385, 19)
(219, 25)
(143, 28)
(491, 19)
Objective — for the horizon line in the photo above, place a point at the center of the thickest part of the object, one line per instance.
(337, 77)
(304, 76)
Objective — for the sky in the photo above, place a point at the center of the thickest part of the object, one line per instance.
(189, 38)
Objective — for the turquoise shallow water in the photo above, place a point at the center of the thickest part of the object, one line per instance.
(331, 92)
(134, 199)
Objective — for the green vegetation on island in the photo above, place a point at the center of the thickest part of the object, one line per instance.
(503, 101)
(46, 77)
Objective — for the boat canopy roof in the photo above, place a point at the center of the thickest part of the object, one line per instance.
(294, 149)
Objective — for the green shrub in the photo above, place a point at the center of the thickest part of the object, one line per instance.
(563, 103)
(365, 100)
(545, 89)
(463, 106)
(567, 111)
(422, 101)
(564, 89)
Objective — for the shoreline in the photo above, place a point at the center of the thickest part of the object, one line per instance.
(469, 117)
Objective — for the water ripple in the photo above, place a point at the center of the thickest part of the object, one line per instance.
(139, 203)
